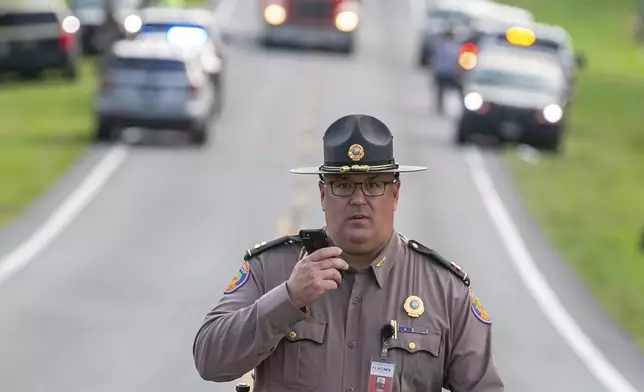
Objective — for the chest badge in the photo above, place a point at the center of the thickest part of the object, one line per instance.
(414, 306)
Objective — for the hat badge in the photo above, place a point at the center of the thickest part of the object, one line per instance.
(356, 152)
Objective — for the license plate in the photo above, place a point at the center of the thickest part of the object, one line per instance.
(510, 129)
(27, 45)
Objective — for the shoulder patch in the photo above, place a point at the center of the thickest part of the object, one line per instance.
(432, 254)
(477, 309)
(239, 279)
(264, 246)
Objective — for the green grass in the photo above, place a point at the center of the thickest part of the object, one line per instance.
(45, 126)
(590, 200)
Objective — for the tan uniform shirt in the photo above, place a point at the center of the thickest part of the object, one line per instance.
(329, 350)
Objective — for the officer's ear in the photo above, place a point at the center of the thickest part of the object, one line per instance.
(322, 194)
(396, 192)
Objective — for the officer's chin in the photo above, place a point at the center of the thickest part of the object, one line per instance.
(357, 236)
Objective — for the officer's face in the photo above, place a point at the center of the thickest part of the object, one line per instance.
(359, 218)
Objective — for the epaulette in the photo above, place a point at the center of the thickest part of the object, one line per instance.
(264, 246)
(453, 267)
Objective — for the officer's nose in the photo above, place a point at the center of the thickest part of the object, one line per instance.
(358, 196)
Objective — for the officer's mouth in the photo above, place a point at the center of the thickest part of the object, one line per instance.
(358, 218)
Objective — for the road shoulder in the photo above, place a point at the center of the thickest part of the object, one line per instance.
(579, 303)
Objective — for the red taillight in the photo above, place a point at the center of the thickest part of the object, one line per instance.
(468, 47)
(484, 109)
(65, 41)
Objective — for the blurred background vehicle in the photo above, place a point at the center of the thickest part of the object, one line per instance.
(93, 14)
(38, 36)
(529, 37)
(157, 85)
(317, 23)
(191, 29)
(515, 96)
(463, 19)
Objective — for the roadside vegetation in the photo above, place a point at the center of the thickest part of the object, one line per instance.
(590, 200)
(45, 127)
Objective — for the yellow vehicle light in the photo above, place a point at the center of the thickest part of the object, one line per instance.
(467, 60)
(274, 14)
(520, 36)
(346, 21)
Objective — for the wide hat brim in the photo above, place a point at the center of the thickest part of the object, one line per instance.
(317, 170)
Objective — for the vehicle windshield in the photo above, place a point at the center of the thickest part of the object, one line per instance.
(27, 18)
(448, 17)
(516, 80)
(539, 44)
(80, 4)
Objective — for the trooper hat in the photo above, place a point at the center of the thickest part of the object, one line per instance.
(358, 144)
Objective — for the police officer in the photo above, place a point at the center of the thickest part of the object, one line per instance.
(445, 70)
(376, 311)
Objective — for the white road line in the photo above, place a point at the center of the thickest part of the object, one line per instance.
(536, 283)
(63, 215)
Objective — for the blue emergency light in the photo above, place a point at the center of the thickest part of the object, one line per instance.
(186, 35)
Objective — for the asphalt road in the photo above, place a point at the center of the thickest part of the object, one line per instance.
(114, 302)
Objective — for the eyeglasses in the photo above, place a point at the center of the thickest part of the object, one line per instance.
(369, 188)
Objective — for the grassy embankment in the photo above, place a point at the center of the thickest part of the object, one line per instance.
(46, 126)
(590, 201)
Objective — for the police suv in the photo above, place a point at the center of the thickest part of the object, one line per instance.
(531, 37)
(156, 85)
(514, 96)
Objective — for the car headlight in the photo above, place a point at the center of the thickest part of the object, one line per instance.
(552, 113)
(346, 21)
(275, 14)
(467, 60)
(132, 24)
(473, 101)
(71, 24)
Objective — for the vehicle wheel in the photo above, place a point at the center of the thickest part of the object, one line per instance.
(70, 72)
(267, 42)
(423, 59)
(30, 74)
(199, 135)
(104, 131)
(553, 145)
(462, 135)
(348, 48)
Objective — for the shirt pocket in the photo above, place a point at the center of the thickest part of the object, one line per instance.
(302, 365)
(419, 361)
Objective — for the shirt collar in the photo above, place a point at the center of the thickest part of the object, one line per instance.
(385, 261)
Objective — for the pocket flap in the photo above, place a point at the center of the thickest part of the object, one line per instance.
(412, 342)
(307, 330)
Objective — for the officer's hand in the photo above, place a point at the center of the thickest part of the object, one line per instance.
(315, 274)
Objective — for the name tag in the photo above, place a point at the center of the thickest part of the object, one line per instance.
(381, 375)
